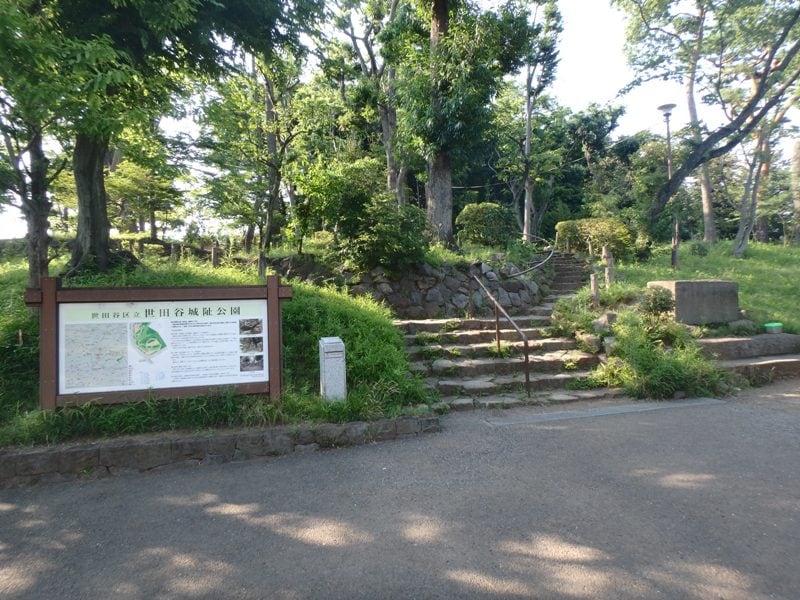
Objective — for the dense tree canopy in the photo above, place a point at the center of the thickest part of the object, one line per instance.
(351, 116)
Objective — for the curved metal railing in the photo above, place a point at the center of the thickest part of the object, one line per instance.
(550, 249)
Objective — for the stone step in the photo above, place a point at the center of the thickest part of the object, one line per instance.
(411, 326)
(764, 368)
(489, 348)
(475, 336)
(493, 385)
(765, 344)
(565, 288)
(549, 362)
(540, 398)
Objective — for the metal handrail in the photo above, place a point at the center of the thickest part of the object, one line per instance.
(550, 248)
(497, 311)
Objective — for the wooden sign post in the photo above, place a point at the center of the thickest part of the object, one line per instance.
(112, 345)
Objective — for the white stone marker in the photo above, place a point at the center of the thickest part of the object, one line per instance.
(332, 371)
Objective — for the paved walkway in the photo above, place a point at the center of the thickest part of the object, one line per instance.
(604, 500)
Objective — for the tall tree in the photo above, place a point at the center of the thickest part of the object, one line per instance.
(44, 75)
(743, 48)
(249, 125)
(796, 191)
(161, 41)
(444, 94)
(540, 70)
(363, 23)
(439, 184)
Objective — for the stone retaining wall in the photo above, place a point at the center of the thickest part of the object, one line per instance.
(151, 452)
(428, 292)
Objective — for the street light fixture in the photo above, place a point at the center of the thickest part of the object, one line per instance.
(667, 110)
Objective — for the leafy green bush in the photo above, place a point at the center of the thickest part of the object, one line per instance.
(373, 345)
(390, 236)
(653, 356)
(583, 235)
(657, 301)
(645, 367)
(486, 223)
(698, 248)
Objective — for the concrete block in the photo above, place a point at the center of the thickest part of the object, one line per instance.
(189, 448)
(332, 369)
(407, 426)
(79, 459)
(223, 445)
(278, 442)
(703, 301)
(136, 454)
(35, 462)
(330, 435)
(381, 430)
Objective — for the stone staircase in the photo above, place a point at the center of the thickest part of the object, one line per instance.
(459, 359)
(760, 358)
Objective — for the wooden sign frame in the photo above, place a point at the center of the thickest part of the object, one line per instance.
(50, 295)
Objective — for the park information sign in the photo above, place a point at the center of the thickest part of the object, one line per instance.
(114, 345)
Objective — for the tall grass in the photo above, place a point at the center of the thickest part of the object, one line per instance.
(768, 277)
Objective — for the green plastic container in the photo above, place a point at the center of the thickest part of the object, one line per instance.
(773, 327)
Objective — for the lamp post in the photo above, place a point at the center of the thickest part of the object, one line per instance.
(667, 110)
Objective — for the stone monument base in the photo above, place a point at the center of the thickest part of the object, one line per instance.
(703, 301)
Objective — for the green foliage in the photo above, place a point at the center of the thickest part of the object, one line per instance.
(486, 223)
(370, 229)
(652, 356)
(582, 234)
(391, 236)
(19, 343)
(646, 367)
(698, 248)
(657, 301)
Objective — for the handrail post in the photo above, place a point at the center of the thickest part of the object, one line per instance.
(497, 328)
(527, 369)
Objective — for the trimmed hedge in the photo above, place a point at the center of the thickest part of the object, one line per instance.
(487, 223)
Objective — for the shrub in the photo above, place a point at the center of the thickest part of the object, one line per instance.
(698, 248)
(486, 223)
(390, 236)
(590, 235)
(657, 301)
(646, 368)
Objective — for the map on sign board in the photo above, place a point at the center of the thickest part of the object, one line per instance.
(125, 346)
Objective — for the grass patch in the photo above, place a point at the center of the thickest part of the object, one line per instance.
(379, 383)
(652, 355)
(767, 277)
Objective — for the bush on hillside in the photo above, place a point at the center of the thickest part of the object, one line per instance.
(486, 223)
(390, 236)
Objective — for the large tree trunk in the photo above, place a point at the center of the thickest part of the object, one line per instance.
(153, 227)
(439, 188)
(91, 250)
(796, 192)
(747, 207)
(709, 223)
(36, 210)
(439, 191)
(394, 181)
